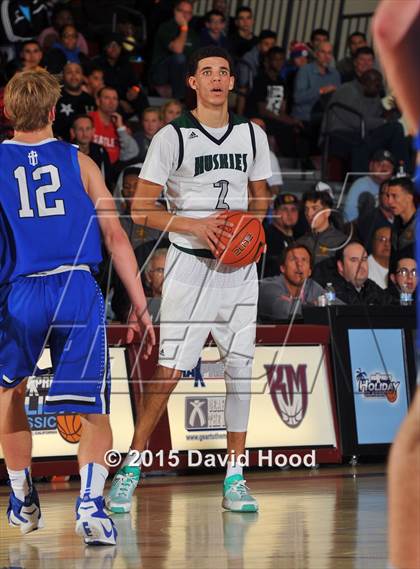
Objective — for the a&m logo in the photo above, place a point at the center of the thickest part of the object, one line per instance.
(289, 392)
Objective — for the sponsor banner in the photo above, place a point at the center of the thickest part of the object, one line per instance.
(290, 401)
(379, 383)
(57, 435)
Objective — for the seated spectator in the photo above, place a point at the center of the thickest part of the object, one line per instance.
(73, 101)
(213, 32)
(94, 80)
(241, 37)
(403, 206)
(64, 51)
(267, 100)
(378, 261)
(151, 123)
(250, 65)
(275, 182)
(23, 21)
(314, 84)
(174, 43)
(381, 216)
(170, 111)
(404, 278)
(30, 58)
(363, 60)
(363, 95)
(318, 36)
(220, 6)
(109, 128)
(282, 297)
(61, 16)
(381, 168)
(353, 285)
(298, 57)
(81, 133)
(323, 238)
(345, 66)
(154, 272)
(279, 234)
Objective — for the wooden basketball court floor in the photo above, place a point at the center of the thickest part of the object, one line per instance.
(330, 518)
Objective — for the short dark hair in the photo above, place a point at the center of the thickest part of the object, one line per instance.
(29, 42)
(314, 196)
(242, 9)
(404, 181)
(90, 68)
(275, 50)
(214, 13)
(265, 34)
(208, 51)
(106, 88)
(178, 2)
(293, 247)
(365, 50)
(319, 32)
(356, 34)
(77, 117)
(131, 171)
(339, 254)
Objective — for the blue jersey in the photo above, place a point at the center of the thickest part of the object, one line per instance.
(46, 217)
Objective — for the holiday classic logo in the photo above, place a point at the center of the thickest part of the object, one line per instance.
(377, 385)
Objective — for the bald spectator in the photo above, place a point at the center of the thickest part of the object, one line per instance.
(282, 297)
(378, 261)
(110, 130)
(73, 101)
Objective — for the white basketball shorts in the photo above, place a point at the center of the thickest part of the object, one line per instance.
(200, 297)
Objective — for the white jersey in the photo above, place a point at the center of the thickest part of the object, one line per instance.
(206, 169)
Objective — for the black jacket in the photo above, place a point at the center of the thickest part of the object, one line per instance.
(370, 293)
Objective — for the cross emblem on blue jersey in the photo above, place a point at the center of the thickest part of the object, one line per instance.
(33, 158)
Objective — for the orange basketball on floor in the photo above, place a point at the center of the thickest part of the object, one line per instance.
(70, 427)
(247, 241)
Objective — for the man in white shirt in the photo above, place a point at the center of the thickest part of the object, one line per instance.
(378, 261)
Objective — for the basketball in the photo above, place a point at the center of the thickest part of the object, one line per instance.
(70, 427)
(247, 241)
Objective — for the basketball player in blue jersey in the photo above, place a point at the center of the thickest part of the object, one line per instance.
(396, 29)
(208, 160)
(53, 207)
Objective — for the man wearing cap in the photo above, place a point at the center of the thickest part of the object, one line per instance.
(280, 234)
(381, 168)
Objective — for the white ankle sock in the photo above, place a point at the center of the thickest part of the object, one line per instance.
(21, 482)
(233, 468)
(92, 480)
(132, 456)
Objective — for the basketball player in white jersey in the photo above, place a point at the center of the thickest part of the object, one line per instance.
(210, 161)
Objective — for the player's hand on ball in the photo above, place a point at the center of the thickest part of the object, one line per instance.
(139, 321)
(210, 230)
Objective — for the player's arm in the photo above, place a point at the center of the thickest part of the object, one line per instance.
(118, 245)
(260, 198)
(396, 32)
(146, 211)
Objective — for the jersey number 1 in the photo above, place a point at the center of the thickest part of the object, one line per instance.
(224, 188)
(43, 209)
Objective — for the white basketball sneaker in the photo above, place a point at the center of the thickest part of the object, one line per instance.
(92, 523)
(26, 514)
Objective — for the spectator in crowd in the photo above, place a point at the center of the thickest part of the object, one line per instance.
(363, 60)
(345, 66)
(281, 297)
(318, 36)
(30, 57)
(81, 133)
(275, 182)
(73, 101)
(242, 37)
(213, 32)
(109, 128)
(314, 84)
(298, 57)
(362, 95)
(323, 238)
(404, 278)
(381, 169)
(175, 41)
(22, 21)
(61, 16)
(221, 6)
(150, 124)
(353, 285)
(128, 33)
(378, 260)
(280, 233)
(64, 51)
(267, 100)
(170, 110)
(250, 64)
(94, 80)
(402, 205)
(381, 216)
(154, 272)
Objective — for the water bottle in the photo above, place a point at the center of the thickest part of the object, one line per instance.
(406, 298)
(330, 294)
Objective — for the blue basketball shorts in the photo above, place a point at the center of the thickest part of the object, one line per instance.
(66, 311)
